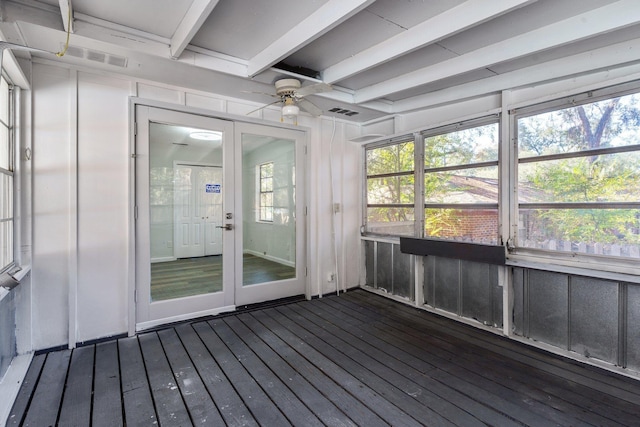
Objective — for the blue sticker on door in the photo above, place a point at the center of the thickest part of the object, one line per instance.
(213, 188)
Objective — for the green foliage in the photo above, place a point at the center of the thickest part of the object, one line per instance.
(390, 189)
(591, 179)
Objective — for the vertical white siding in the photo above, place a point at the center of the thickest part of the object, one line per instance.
(81, 199)
(103, 188)
(51, 205)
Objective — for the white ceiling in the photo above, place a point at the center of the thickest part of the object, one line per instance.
(382, 57)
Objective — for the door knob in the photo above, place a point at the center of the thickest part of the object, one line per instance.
(226, 226)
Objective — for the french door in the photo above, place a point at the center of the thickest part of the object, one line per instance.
(220, 215)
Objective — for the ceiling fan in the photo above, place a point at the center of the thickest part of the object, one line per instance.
(291, 94)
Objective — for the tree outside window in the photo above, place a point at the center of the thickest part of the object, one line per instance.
(578, 177)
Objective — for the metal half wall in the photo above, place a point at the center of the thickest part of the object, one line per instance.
(588, 318)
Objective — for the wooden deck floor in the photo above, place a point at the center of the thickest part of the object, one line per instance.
(357, 359)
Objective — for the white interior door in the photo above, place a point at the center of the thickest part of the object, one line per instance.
(184, 259)
(198, 210)
(210, 179)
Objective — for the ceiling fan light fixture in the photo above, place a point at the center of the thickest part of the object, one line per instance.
(290, 111)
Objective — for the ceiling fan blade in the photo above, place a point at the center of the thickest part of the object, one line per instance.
(264, 106)
(272, 95)
(311, 89)
(14, 46)
(309, 107)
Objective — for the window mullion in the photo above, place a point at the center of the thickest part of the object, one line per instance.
(418, 214)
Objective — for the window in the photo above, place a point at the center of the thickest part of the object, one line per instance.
(578, 176)
(266, 192)
(461, 183)
(390, 188)
(6, 178)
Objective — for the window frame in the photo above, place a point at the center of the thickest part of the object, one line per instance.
(407, 138)
(493, 119)
(12, 173)
(522, 255)
(262, 207)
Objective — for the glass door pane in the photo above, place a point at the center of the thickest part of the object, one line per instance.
(185, 255)
(272, 232)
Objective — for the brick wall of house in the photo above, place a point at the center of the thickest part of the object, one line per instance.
(470, 225)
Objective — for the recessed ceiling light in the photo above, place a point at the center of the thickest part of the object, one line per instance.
(206, 135)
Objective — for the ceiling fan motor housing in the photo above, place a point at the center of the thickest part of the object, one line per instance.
(287, 87)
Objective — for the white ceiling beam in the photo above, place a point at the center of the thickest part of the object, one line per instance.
(607, 58)
(328, 16)
(190, 24)
(446, 24)
(66, 10)
(598, 21)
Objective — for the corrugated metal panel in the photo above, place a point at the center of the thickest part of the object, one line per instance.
(384, 267)
(518, 302)
(496, 296)
(594, 318)
(447, 284)
(476, 291)
(403, 276)
(7, 331)
(429, 278)
(369, 256)
(548, 307)
(633, 327)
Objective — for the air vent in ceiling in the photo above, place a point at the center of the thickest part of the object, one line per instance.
(339, 110)
(97, 56)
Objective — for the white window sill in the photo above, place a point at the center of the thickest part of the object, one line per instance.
(622, 270)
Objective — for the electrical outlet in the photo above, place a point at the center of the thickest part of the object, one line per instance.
(330, 277)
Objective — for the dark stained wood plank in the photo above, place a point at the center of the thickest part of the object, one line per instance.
(20, 405)
(290, 405)
(107, 401)
(230, 405)
(76, 405)
(525, 381)
(353, 408)
(136, 394)
(320, 405)
(395, 372)
(590, 376)
(498, 366)
(45, 406)
(544, 368)
(261, 406)
(170, 407)
(400, 368)
(201, 407)
(356, 359)
(339, 368)
(459, 369)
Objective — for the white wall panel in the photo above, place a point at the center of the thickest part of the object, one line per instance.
(103, 187)
(205, 102)
(241, 109)
(51, 205)
(446, 114)
(157, 93)
(352, 173)
(93, 223)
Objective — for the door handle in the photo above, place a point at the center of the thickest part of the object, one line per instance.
(226, 226)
